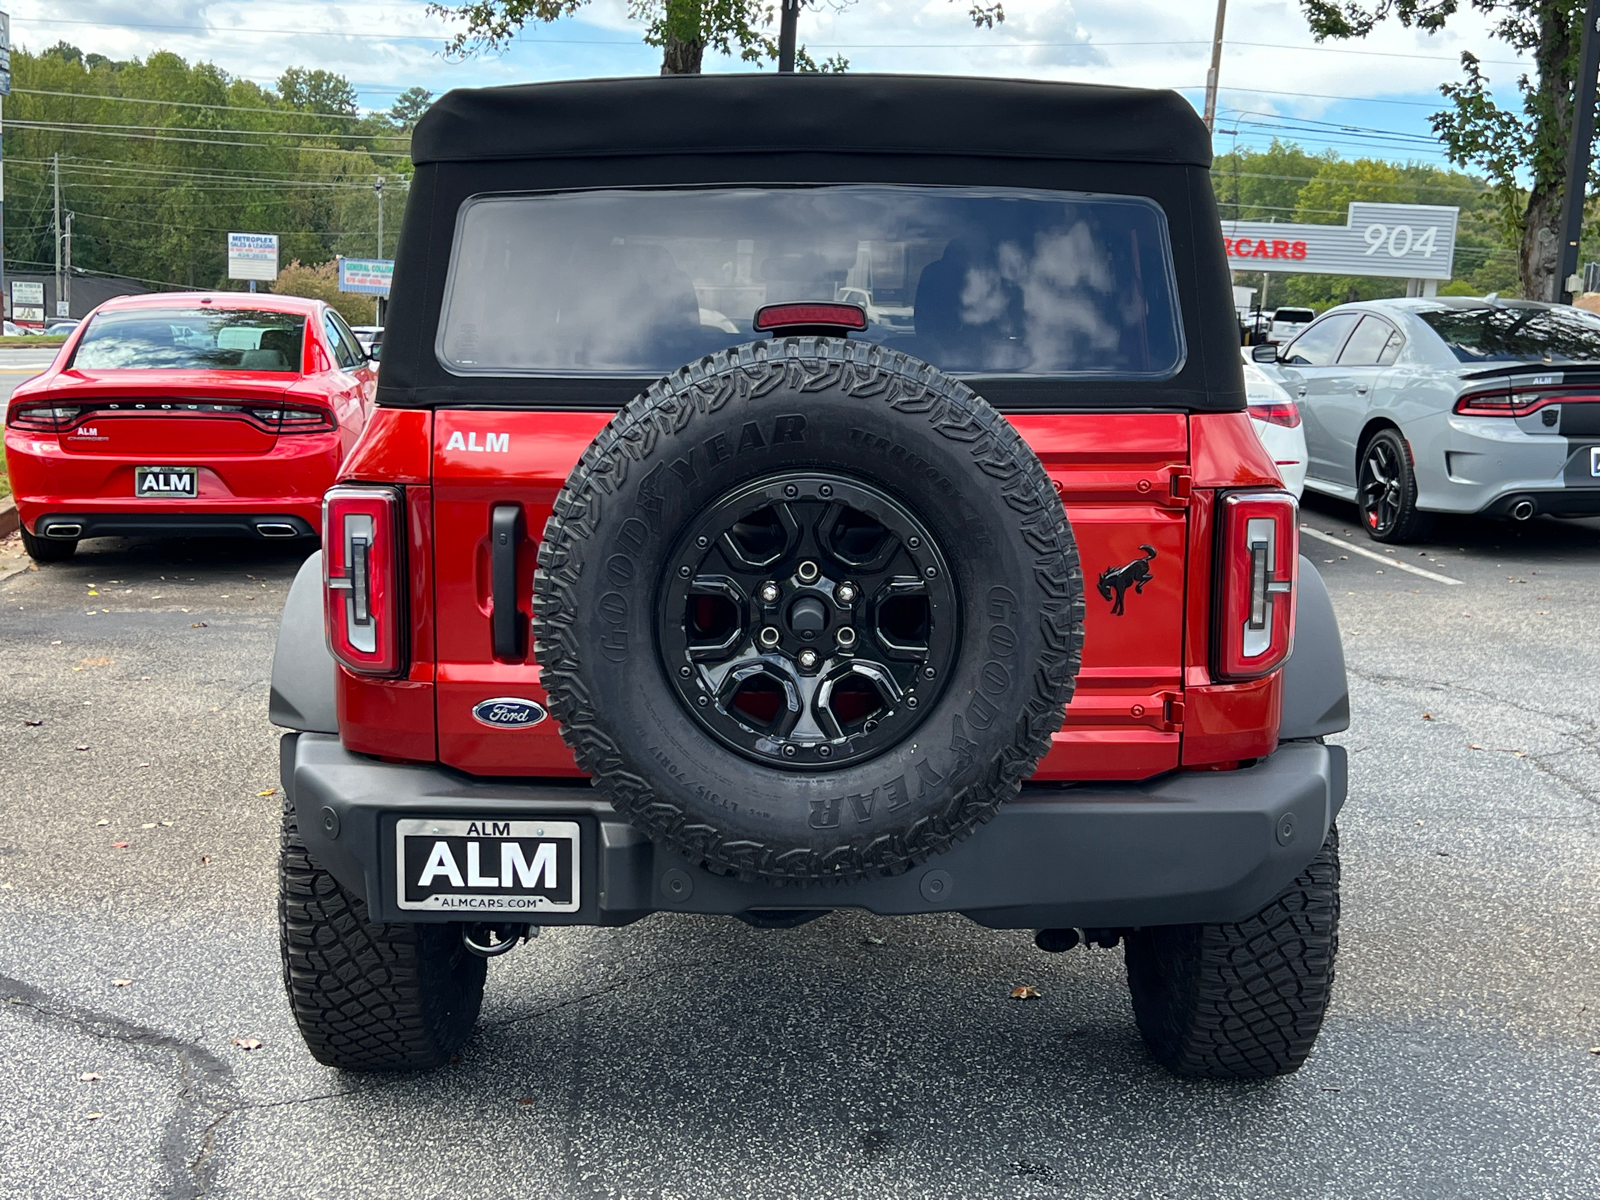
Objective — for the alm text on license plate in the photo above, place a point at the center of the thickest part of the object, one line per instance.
(486, 865)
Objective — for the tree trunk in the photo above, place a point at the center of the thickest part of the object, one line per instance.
(679, 57)
(1539, 256)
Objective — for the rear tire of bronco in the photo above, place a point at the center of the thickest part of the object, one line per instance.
(1243, 1000)
(48, 549)
(367, 996)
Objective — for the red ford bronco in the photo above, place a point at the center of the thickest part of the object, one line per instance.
(809, 492)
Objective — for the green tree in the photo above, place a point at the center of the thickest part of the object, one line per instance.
(684, 29)
(1476, 131)
(321, 282)
(407, 110)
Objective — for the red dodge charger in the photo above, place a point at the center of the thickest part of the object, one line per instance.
(187, 415)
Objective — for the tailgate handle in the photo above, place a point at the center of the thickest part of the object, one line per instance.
(505, 621)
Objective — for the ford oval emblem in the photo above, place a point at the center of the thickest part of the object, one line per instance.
(509, 712)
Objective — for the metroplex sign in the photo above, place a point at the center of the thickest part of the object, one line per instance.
(1398, 241)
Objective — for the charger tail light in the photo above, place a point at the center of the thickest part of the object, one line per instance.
(41, 418)
(361, 578)
(1277, 412)
(1503, 403)
(1260, 560)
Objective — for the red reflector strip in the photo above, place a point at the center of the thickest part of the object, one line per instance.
(1259, 561)
(783, 316)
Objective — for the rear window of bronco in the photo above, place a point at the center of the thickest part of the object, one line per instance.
(978, 281)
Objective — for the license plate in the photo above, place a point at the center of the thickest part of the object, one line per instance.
(488, 866)
(165, 483)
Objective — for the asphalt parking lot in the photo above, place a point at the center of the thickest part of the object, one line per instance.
(688, 1057)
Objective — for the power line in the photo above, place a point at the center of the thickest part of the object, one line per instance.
(347, 137)
(65, 127)
(963, 46)
(242, 108)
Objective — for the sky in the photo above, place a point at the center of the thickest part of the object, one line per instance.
(1365, 98)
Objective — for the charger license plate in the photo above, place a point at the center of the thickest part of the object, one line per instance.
(164, 483)
(488, 866)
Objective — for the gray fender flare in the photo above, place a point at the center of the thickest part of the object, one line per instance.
(303, 676)
(1316, 692)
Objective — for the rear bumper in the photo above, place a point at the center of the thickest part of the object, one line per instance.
(237, 492)
(1190, 847)
(186, 522)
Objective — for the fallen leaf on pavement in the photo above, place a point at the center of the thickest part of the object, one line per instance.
(1427, 716)
(198, 625)
(83, 747)
(1025, 992)
(1474, 746)
(247, 1043)
(119, 845)
(89, 1077)
(1594, 1049)
(268, 792)
(102, 821)
(205, 858)
(166, 824)
(526, 1100)
(95, 662)
(93, 1116)
(869, 940)
(25, 721)
(148, 825)
(121, 982)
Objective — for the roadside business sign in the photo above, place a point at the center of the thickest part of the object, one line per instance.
(5, 54)
(27, 302)
(369, 276)
(253, 256)
(1399, 241)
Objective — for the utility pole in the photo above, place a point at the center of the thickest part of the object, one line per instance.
(377, 301)
(64, 304)
(1561, 287)
(789, 20)
(1216, 68)
(55, 222)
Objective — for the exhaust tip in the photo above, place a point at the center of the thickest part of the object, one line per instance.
(1522, 510)
(63, 530)
(276, 529)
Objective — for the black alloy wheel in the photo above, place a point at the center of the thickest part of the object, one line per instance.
(1386, 490)
(808, 619)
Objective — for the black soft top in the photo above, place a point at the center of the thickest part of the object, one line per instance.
(812, 129)
(864, 114)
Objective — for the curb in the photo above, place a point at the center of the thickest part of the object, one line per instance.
(10, 522)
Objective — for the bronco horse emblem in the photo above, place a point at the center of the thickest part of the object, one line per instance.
(1119, 579)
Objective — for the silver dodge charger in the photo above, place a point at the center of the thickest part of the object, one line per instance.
(1448, 404)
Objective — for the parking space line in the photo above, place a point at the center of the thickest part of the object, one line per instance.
(1376, 557)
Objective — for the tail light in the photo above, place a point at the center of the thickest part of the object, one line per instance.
(294, 420)
(361, 578)
(1277, 412)
(1259, 557)
(1513, 404)
(41, 418)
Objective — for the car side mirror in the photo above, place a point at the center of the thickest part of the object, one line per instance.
(374, 353)
(1266, 352)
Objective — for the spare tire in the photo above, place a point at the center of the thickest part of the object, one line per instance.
(808, 609)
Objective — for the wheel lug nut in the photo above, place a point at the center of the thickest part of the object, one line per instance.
(686, 671)
(845, 593)
(769, 637)
(789, 750)
(824, 751)
(845, 636)
(808, 571)
(931, 572)
(684, 571)
(928, 672)
(769, 593)
(790, 490)
(808, 659)
(911, 701)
